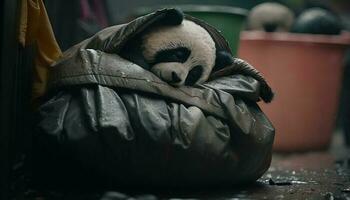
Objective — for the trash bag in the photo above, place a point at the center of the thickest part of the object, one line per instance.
(107, 122)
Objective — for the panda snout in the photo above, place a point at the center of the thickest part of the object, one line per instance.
(175, 78)
(172, 73)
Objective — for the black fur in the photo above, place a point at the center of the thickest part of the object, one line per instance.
(179, 54)
(194, 75)
(223, 59)
(173, 17)
(132, 52)
(270, 27)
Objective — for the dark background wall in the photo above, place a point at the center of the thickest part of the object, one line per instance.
(70, 28)
(8, 74)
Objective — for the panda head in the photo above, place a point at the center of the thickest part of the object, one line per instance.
(270, 17)
(179, 49)
(183, 54)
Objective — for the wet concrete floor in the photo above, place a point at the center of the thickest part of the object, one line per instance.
(322, 175)
(317, 175)
(314, 175)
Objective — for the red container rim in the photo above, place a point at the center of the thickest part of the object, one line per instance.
(342, 40)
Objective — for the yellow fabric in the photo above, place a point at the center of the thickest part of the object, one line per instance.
(35, 29)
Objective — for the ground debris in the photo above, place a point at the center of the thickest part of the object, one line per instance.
(346, 190)
(279, 183)
(329, 196)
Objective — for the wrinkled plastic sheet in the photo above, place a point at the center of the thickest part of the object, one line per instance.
(98, 135)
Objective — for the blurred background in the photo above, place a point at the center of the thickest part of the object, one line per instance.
(74, 20)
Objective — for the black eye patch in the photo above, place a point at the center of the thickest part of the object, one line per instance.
(179, 54)
(194, 75)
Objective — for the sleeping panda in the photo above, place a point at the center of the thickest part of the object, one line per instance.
(182, 54)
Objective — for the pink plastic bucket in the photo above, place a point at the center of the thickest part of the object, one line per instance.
(305, 72)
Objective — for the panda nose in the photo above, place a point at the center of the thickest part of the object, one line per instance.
(175, 78)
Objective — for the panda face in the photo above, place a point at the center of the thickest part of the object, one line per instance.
(180, 55)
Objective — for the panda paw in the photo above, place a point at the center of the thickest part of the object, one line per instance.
(223, 59)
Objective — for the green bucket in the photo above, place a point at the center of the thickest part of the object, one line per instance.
(228, 20)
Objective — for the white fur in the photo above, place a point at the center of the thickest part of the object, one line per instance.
(189, 35)
(273, 13)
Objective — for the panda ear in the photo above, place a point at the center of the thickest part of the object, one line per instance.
(173, 17)
(168, 17)
(223, 59)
